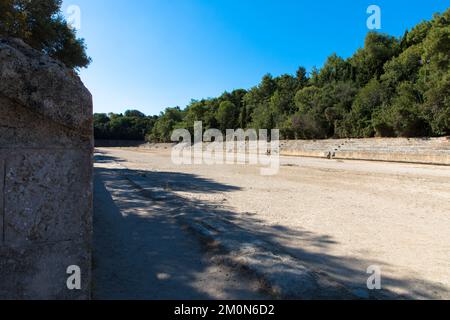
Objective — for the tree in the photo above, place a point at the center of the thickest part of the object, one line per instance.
(358, 122)
(434, 76)
(302, 77)
(243, 117)
(283, 97)
(134, 125)
(437, 105)
(164, 126)
(416, 35)
(101, 126)
(334, 69)
(407, 118)
(134, 114)
(310, 118)
(368, 62)
(338, 101)
(405, 67)
(227, 115)
(263, 117)
(42, 26)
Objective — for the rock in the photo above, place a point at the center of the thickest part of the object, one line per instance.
(46, 145)
(44, 86)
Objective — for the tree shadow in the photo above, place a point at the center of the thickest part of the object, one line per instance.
(161, 191)
(140, 251)
(101, 157)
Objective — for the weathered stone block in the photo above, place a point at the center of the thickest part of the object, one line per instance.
(46, 197)
(46, 144)
(38, 271)
(20, 128)
(2, 200)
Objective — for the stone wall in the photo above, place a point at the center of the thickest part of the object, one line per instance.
(46, 149)
(412, 150)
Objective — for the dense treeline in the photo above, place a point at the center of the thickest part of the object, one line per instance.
(133, 125)
(389, 88)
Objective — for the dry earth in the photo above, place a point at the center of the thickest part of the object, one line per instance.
(337, 217)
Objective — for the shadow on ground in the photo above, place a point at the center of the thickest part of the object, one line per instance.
(162, 200)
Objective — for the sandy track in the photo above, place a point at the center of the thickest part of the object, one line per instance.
(339, 217)
(141, 253)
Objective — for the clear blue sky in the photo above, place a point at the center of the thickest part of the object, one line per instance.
(153, 54)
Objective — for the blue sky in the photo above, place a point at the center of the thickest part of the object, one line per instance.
(153, 54)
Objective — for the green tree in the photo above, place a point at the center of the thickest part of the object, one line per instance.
(164, 126)
(358, 122)
(334, 69)
(42, 26)
(134, 114)
(437, 105)
(302, 77)
(310, 118)
(101, 126)
(405, 67)
(434, 78)
(368, 62)
(406, 113)
(227, 115)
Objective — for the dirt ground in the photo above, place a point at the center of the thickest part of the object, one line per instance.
(141, 253)
(337, 217)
